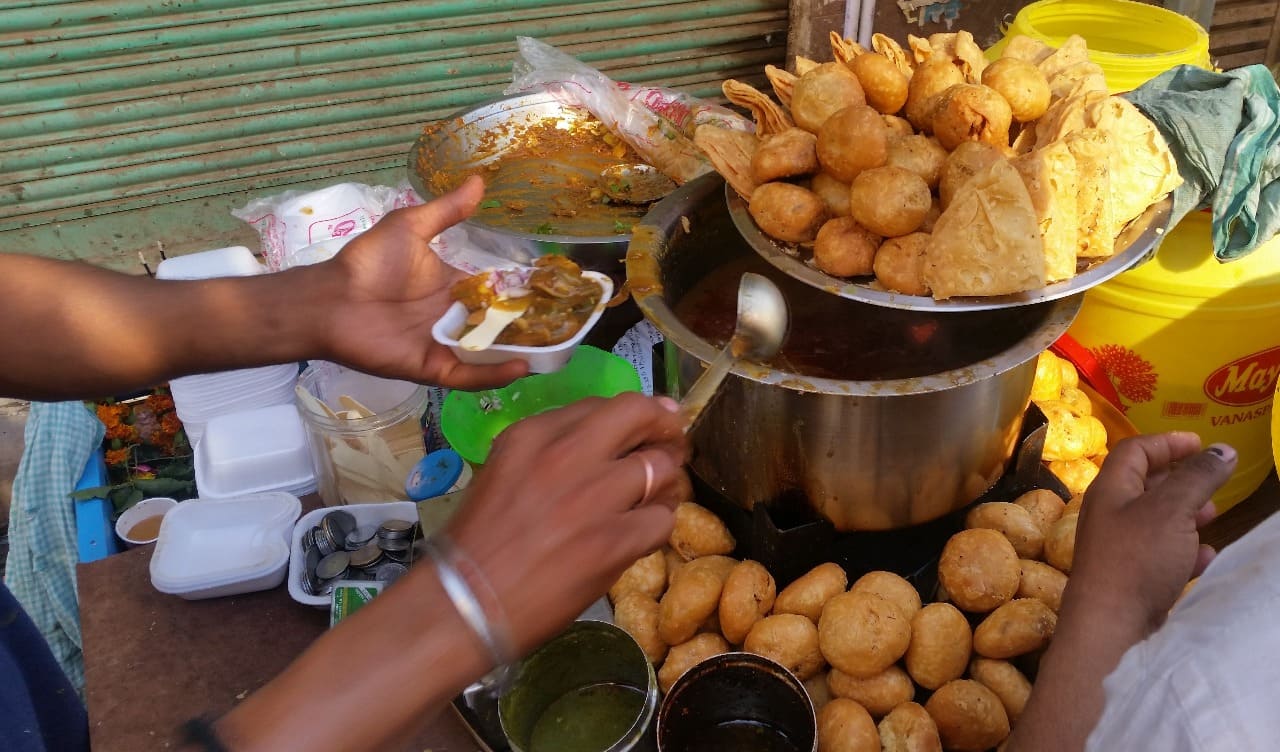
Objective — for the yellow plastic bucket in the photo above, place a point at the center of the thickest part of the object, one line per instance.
(1132, 42)
(1192, 344)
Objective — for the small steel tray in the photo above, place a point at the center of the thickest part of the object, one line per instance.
(1136, 243)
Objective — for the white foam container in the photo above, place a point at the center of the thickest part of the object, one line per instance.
(450, 326)
(254, 451)
(365, 514)
(156, 506)
(235, 261)
(210, 548)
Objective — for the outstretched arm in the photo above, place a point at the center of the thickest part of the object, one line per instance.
(72, 330)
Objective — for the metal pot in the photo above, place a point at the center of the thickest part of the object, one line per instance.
(866, 454)
(468, 138)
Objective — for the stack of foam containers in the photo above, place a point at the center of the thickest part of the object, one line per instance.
(198, 399)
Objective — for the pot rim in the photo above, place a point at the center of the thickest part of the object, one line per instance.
(648, 247)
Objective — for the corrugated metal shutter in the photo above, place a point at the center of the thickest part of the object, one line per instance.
(123, 122)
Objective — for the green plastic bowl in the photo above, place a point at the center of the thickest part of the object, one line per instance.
(471, 421)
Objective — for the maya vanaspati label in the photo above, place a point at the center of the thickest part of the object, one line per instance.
(1245, 381)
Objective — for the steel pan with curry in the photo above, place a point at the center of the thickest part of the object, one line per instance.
(879, 418)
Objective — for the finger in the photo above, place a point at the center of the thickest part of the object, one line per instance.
(629, 421)
(645, 528)
(1204, 557)
(430, 219)
(1206, 514)
(454, 374)
(1193, 481)
(1124, 475)
(636, 479)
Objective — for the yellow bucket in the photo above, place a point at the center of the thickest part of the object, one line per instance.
(1132, 42)
(1192, 344)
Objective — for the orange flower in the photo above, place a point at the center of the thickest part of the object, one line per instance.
(160, 402)
(110, 415)
(170, 425)
(117, 456)
(122, 431)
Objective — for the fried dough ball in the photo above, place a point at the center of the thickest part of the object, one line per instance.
(647, 575)
(686, 655)
(675, 562)
(747, 597)
(935, 211)
(808, 594)
(891, 587)
(1042, 582)
(941, 642)
(845, 248)
(1060, 544)
(638, 614)
(909, 728)
(1006, 681)
(979, 569)
(883, 84)
(1022, 85)
(693, 597)
(787, 212)
(966, 160)
(1044, 506)
(789, 640)
(890, 201)
(920, 154)
(816, 686)
(898, 126)
(846, 726)
(972, 112)
(1074, 505)
(699, 532)
(970, 717)
(1077, 400)
(784, 155)
(899, 264)
(1013, 522)
(1075, 474)
(1047, 384)
(822, 92)
(1021, 626)
(879, 694)
(930, 79)
(833, 192)
(862, 634)
(852, 140)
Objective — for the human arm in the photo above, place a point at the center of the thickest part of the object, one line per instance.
(74, 330)
(1137, 546)
(554, 517)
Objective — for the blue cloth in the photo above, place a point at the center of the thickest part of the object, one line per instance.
(39, 709)
(41, 568)
(1224, 130)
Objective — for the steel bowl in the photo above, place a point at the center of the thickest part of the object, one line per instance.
(460, 143)
(864, 454)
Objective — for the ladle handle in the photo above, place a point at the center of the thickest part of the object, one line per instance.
(704, 389)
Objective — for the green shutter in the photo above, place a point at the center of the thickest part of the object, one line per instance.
(127, 122)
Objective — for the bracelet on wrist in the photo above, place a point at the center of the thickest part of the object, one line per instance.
(460, 578)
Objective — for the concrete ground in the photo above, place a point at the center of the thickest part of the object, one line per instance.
(13, 422)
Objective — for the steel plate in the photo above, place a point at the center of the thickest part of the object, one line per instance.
(1136, 243)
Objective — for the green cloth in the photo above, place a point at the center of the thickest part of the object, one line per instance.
(1224, 130)
(41, 568)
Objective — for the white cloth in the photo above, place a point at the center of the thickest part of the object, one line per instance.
(1207, 680)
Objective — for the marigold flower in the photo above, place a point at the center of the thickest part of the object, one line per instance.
(117, 456)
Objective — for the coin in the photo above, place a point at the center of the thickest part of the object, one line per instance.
(323, 541)
(333, 565)
(310, 583)
(360, 536)
(394, 545)
(344, 520)
(366, 556)
(336, 529)
(308, 540)
(389, 572)
(396, 529)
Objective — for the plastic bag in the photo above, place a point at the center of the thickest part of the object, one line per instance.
(292, 221)
(658, 123)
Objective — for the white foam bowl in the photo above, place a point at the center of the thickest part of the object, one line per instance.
(451, 325)
(364, 514)
(236, 261)
(157, 506)
(254, 451)
(209, 548)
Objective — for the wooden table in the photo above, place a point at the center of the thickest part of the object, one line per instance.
(154, 660)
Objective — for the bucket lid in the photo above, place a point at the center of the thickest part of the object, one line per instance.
(434, 475)
(1185, 266)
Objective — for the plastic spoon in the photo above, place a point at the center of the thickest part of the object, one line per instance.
(496, 318)
(758, 334)
(635, 183)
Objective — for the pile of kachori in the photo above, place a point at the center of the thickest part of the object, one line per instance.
(934, 172)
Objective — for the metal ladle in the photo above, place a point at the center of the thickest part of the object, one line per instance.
(758, 334)
(635, 183)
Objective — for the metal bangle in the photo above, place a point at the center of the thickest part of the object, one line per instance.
(490, 625)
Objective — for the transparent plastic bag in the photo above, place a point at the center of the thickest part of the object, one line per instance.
(658, 123)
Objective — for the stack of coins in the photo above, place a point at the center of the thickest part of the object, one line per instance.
(339, 549)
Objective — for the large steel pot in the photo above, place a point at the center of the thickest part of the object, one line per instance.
(866, 455)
